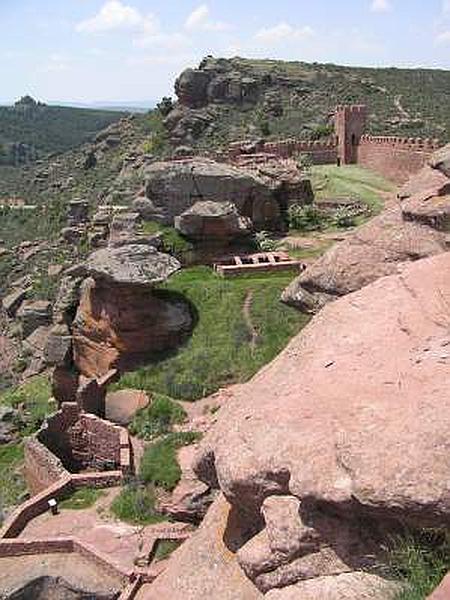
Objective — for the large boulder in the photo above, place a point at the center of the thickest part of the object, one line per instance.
(131, 265)
(359, 449)
(174, 187)
(217, 222)
(191, 87)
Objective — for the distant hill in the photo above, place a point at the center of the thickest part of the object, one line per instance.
(30, 130)
(230, 99)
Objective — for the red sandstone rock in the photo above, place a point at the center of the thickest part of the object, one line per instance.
(443, 591)
(191, 499)
(121, 406)
(360, 435)
(441, 160)
(425, 179)
(119, 326)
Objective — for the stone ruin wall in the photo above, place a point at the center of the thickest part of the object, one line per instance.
(72, 438)
(393, 157)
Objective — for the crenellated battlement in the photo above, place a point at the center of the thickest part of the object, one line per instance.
(417, 144)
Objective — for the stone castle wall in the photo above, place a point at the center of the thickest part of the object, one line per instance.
(394, 158)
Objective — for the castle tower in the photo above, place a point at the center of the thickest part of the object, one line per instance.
(349, 125)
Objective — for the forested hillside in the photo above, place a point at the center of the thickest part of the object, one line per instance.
(30, 130)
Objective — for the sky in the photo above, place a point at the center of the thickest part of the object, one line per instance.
(131, 50)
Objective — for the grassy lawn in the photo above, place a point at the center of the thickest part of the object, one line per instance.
(12, 483)
(350, 181)
(220, 352)
(159, 465)
(158, 418)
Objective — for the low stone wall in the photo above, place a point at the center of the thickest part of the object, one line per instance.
(35, 506)
(71, 439)
(394, 158)
(42, 468)
(38, 504)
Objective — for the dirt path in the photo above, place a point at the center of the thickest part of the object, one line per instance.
(247, 312)
(399, 107)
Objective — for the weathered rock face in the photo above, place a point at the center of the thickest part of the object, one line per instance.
(209, 221)
(415, 228)
(174, 187)
(441, 160)
(121, 321)
(359, 445)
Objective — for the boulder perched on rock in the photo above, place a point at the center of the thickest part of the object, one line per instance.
(174, 187)
(359, 448)
(132, 265)
(121, 320)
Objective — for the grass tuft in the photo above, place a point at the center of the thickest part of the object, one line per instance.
(159, 465)
(82, 498)
(420, 561)
(136, 504)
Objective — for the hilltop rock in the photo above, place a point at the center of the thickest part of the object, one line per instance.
(131, 265)
(359, 448)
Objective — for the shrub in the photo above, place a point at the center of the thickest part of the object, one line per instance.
(165, 106)
(344, 217)
(264, 242)
(136, 505)
(305, 218)
(158, 418)
(159, 465)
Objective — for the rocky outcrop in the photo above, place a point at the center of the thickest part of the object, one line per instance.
(358, 449)
(174, 187)
(121, 320)
(413, 228)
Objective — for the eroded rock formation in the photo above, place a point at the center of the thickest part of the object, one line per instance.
(414, 227)
(121, 320)
(359, 448)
